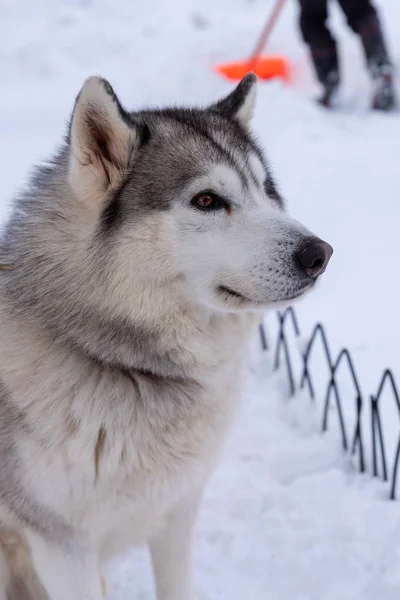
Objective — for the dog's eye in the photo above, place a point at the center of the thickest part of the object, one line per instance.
(208, 201)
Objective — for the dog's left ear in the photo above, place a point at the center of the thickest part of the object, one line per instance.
(102, 140)
(240, 103)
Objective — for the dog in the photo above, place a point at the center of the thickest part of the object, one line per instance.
(134, 271)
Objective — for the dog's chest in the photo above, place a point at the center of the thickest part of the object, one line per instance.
(118, 476)
(140, 479)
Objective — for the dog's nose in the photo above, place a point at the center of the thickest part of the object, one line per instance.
(314, 256)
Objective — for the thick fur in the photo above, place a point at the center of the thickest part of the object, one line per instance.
(125, 314)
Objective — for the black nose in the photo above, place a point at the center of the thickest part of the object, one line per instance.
(314, 256)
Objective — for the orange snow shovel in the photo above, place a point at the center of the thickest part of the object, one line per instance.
(265, 67)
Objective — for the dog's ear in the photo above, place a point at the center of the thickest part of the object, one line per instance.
(102, 140)
(240, 103)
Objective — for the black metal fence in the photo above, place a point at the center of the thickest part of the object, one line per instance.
(367, 409)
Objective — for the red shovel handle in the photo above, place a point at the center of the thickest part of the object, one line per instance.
(266, 32)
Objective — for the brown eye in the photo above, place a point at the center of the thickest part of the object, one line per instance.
(208, 201)
(205, 201)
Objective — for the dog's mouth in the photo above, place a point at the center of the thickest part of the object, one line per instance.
(226, 291)
(231, 295)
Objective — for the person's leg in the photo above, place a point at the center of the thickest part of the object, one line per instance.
(363, 19)
(313, 26)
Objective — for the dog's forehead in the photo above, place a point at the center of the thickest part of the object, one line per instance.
(201, 131)
(196, 140)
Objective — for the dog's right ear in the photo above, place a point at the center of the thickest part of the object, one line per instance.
(102, 140)
(239, 104)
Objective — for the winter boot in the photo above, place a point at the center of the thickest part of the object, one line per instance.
(378, 63)
(326, 66)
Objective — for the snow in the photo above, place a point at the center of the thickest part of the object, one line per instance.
(286, 516)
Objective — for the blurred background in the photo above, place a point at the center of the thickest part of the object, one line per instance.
(339, 171)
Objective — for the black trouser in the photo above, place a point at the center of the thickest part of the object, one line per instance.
(363, 19)
(314, 14)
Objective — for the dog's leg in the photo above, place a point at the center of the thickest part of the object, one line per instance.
(4, 576)
(104, 586)
(67, 572)
(172, 552)
(19, 581)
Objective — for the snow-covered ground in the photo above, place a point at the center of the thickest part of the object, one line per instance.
(285, 517)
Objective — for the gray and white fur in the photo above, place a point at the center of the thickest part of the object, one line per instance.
(135, 268)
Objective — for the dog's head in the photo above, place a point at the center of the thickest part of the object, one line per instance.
(186, 197)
